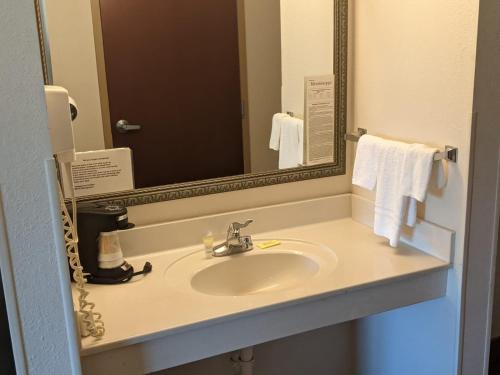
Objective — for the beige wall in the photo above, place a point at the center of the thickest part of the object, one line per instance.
(263, 52)
(75, 68)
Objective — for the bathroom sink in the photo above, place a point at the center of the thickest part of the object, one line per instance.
(289, 265)
(257, 273)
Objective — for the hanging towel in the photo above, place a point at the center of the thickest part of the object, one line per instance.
(390, 201)
(380, 164)
(287, 137)
(366, 163)
(274, 142)
(400, 173)
(291, 143)
(418, 169)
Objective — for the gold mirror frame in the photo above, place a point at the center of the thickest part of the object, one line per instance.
(241, 182)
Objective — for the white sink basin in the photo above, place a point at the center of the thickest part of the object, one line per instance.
(259, 273)
(290, 265)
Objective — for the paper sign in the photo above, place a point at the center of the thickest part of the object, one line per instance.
(99, 172)
(319, 120)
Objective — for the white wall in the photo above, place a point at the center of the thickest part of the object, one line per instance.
(74, 66)
(307, 47)
(32, 255)
(413, 72)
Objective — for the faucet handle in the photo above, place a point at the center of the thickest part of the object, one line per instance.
(237, 226)
(234, 228)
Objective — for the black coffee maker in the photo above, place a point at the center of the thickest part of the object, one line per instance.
(93, 220)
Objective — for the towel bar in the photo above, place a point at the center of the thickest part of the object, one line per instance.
(450, 153)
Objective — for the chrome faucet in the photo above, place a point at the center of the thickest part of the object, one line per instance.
(235, 243)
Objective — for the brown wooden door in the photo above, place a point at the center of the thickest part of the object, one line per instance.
(172, 66)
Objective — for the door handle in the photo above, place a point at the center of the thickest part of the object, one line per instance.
(123, 126)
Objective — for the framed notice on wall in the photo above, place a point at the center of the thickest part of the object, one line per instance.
(319, 120)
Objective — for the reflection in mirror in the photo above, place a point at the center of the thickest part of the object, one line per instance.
(199, 89)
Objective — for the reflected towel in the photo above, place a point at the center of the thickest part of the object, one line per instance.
(291, 143)
(287, 137)
(274, 142)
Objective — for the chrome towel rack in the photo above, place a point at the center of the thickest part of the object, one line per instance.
(450, 153)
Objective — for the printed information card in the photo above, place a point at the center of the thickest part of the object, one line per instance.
(100, 172)
(319, 120)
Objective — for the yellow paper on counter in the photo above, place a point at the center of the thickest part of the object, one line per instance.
(268, 244)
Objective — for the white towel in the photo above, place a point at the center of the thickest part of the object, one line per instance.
(366, 163)
(418, 169)
(380, 164)
(287, 137)
(291, 143)
(274, 142)
(400, 172)
(390, 202)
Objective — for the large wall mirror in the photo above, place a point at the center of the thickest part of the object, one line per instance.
(209, 95)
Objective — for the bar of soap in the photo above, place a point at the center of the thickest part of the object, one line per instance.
(268, 244)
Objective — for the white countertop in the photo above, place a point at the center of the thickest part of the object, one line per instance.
(148, 309)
